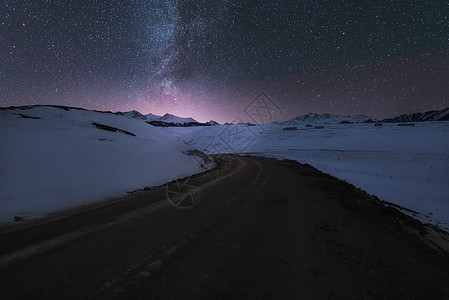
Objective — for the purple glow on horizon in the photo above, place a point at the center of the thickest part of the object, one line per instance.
(209, 60)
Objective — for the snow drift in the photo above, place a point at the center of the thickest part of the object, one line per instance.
(53, 158)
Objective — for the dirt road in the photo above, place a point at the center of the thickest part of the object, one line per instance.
(259, 229)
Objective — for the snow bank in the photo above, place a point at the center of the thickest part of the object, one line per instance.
(53, 159)
(408, 166)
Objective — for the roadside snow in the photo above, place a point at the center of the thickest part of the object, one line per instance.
(63, 160)
(407, 166)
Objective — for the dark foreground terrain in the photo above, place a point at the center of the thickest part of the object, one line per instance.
(259, 229)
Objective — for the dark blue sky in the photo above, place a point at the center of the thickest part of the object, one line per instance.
(210, 59)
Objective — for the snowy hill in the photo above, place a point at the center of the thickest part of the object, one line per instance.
(314, 118)
(53, 158)
(433, 115)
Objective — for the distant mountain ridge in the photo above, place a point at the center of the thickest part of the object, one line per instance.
(167, 120)
(432, 115)
(132, 114)
(313, 118)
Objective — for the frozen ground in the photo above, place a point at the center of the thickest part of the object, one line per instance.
(53, 159)
(407, 166)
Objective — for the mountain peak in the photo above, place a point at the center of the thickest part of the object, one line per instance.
(212, 123)
(152, 116)
(166, 116)
(175, 119)
(132, 114)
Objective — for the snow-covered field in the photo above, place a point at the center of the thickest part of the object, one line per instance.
(53, 159)
(408, 166)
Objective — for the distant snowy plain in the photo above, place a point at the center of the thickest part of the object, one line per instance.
(407, 166)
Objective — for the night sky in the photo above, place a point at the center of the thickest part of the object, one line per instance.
(210, 59)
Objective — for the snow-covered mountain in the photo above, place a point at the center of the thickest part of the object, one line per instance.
(314, 118)
(433, 115)
(212, 123)
(132, 114)
(151, 117)
(55, 157)
(169, 118)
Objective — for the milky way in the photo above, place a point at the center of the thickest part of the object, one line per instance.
(211, 59)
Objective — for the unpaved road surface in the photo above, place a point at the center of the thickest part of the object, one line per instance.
(259, 229)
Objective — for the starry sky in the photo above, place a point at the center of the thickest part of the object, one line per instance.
(211, 59)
